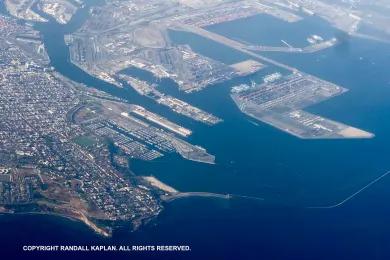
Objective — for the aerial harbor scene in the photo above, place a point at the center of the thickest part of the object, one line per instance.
(195, 129)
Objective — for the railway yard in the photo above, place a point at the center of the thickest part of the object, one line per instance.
(124, 34)
(55, 139)
(59, 140)
(138, 36)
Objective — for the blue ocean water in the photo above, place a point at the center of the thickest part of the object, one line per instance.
(256, 160)
(270, 31)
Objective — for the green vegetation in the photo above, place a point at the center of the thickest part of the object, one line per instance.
(85, 141)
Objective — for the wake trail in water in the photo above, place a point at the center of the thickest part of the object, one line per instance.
(353, 195)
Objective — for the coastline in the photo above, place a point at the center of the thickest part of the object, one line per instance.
(82, 219)
(172, 194)
(153, 181)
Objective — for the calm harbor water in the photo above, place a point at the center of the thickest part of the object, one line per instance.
(254, 159)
